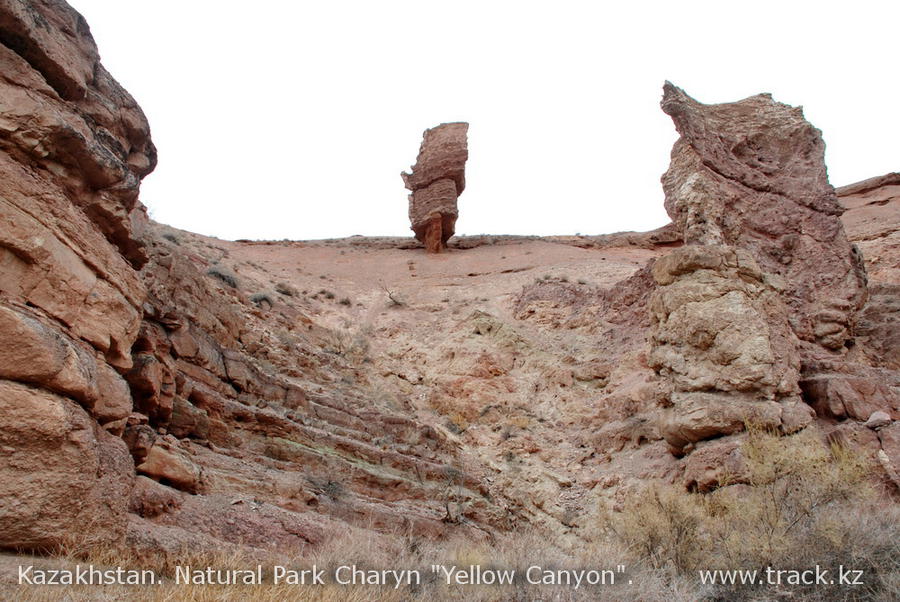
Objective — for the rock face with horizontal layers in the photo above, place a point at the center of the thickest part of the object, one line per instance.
(73, 149)
(149, 400)
(436, 180)
(872, 219)
(130, 358)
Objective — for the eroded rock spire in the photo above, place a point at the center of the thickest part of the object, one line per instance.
(761, 301)
(751, 174)
(436, 180)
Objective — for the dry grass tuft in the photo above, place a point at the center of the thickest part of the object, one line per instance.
(803, 505)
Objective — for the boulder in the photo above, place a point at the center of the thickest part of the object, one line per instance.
(878, 420)
(715, 463)
(843, 395)
(58, 469)
(698, 416)
(889, 437)
(168, 464)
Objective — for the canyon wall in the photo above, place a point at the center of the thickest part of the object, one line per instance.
(145, 397)
(73, 148)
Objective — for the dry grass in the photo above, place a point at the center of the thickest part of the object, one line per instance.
(223, 274)
(263, 300)
(353, 345)
(800, 504)
(803, 505)
(368, 551)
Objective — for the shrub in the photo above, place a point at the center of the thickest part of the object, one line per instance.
(262, 298)
(794, 486)
(661, 524)
(223, 274)
(799, 504)
(353, 346)
(457, 423)
(332, 489)
(393, 297)
(346, 301)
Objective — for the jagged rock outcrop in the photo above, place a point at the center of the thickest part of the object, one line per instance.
(241, 403)
(723, 341)
(436, 180)
(166, 372)
(64, 112)
(148, 397)
(751, 174)
(759, 309)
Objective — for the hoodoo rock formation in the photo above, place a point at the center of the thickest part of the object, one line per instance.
(142, 395)
(752, 174)
(436, 181)
(757, 312)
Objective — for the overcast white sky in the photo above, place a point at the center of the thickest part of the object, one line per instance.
(294, 119)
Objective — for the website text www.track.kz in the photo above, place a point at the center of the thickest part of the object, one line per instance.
(816, 575)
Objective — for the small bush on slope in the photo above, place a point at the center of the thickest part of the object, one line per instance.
(803, 505)
(224, 275)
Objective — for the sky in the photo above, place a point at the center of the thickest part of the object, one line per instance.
(293, 119)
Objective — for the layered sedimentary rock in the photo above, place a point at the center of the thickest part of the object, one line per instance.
(107, 372)
(62, 474)
(436, 180)
(73, 148)
(872, 219)
(149, 397)
(725, 313)
(236, 403)
(723, 341)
